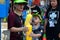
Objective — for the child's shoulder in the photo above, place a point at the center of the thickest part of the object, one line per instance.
(41, 26)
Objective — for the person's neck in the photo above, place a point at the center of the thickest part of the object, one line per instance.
(53, 7)
(19, 13)
(37, 24)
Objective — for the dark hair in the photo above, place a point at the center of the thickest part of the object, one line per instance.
(51, 6)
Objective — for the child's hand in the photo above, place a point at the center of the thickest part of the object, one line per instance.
(32, 34)
(35, 35)
(25, 29)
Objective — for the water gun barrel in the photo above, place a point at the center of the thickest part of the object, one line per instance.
(27, 24)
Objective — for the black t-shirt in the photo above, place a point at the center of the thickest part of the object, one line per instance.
(53, 16)
(34, 9)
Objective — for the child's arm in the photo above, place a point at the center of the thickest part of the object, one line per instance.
(35, 35)
(39, 34)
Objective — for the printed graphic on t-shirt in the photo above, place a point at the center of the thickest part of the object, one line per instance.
(53, 17)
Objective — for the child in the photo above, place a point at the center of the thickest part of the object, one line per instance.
(37, 27)
(15, 20)
(53, 20)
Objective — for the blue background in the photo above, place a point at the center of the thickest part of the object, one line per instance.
(4, 8)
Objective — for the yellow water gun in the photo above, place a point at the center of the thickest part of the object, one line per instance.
(28, 24)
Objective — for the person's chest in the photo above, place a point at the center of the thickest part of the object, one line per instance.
(18, 21)
(36, 29)
(53, 17)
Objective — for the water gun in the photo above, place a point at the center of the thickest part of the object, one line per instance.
(44, 37)
(28, 24)
(30, 2)
(24, 14)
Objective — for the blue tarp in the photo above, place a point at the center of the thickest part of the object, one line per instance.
(0, 28)
(4, 8)
(24, 14)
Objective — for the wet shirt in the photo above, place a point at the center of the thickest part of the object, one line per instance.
(15, 21)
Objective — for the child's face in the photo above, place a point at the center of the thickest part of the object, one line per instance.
(53, 3)
(36, 20)
(19, 7)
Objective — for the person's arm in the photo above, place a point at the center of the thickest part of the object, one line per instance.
(35, 35)
(45, 25)
(46, 20)
(11, 24)
(14, 29)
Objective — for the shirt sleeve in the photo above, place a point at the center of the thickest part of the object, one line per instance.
(10, 21)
